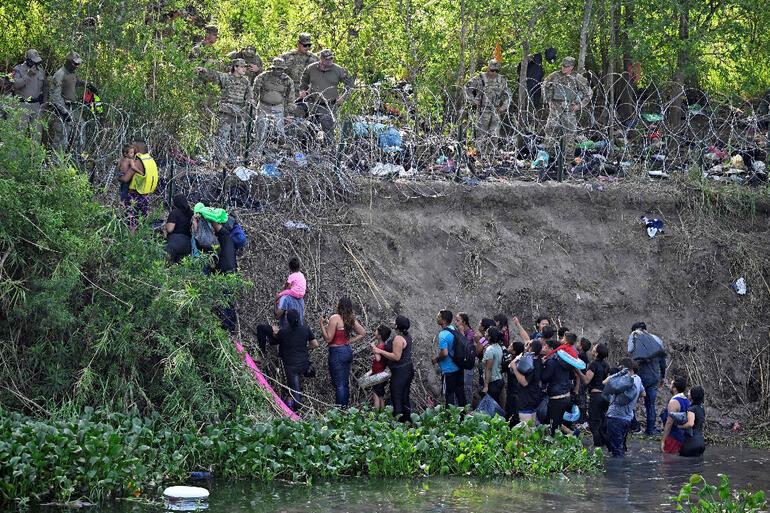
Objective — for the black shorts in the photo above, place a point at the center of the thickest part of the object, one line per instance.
(379, 390)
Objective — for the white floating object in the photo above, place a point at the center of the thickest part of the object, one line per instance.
(185, 493)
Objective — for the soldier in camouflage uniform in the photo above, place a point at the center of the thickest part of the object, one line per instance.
(319, 88)
(236, 98)
(252, 58)
(63, 98)
(203, 51)
(490, 95)
(29, 85)
(296, 62)
(274, 93)
(565, 94)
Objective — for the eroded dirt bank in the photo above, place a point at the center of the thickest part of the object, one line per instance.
(577, 254)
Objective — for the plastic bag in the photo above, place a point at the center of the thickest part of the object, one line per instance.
(204, 235)
(490, 407)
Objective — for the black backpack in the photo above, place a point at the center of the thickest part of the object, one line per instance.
(463, 353)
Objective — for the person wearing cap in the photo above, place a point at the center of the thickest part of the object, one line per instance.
(488, 92)
(296, 61)
(566, 93)
(204, 48)
(320, 90)
(235, 99)
(29, 85)
(252, 58)
(274, 94)
(62, 98)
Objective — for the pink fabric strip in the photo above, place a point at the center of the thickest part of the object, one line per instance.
(263, 382)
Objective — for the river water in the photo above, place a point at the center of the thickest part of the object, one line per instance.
(642, 482)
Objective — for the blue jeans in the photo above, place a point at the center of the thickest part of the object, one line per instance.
(340, 359)
(617, 429)
(651, 394)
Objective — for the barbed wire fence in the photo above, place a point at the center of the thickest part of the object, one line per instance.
(292, 195)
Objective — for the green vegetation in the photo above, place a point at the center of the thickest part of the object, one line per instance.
(99, 455)
(91, 315)
(697, 496)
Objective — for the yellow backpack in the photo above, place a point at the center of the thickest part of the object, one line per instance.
(149, 182)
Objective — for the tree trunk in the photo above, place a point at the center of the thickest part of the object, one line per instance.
(610, 85)
(581, 64)
(463, 35)
(677, 93)
(626, 110)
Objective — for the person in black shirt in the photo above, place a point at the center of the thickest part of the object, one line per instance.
(512, 386)
(529, 394)
(178, 229)
(592, 379)
(557, 376)
(694, 442)
(294, 342)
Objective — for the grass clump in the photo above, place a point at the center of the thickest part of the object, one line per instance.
(698, 496)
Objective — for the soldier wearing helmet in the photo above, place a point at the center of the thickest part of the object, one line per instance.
(296, 61)
(488, 92)
(253, 61)
(274, 94)
(63, 98)
(235, 100)
(566, 93)
(29, 85)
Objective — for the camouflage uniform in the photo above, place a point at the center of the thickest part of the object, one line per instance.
(236, 97)
(62, 98)
(564, 92)
(274, 92)
(252, 58)
(322, 89)
(490, 92)
(29, 84)
(296, 62)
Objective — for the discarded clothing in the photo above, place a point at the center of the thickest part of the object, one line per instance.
(296, 225)
(739, 286)
(654, 226)
(216, 215)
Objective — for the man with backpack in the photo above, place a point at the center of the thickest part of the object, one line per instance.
(451, 346)
(624, 389)
(647, 351)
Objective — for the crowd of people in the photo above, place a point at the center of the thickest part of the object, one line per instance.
(549, 376)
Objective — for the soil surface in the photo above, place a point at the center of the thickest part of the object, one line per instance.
(578, 253)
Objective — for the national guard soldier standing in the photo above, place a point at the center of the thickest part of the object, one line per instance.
(490, 95)
(29, 84)
(274, 93)
(296, 61)
(320, 90)
(252, 58)
(565, 94)
(62, 97)
(236, 97)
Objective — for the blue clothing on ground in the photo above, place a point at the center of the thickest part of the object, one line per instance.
(287, 303)
(446, 341)
(626, 411)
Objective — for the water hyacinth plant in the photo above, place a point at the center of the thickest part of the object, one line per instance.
(104, 455)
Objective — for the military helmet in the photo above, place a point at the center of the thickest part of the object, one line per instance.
(304, 38)
(74, 58)
(33, 56)
(325, 54)
(493, 65)
(568, 62)
(248, 51)
(238, 62)
(278, 63)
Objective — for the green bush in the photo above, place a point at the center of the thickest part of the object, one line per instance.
(697, 496)
(92, 315)
(100, 455)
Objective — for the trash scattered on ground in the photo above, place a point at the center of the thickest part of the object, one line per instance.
(270, 170)
(244, 174)
(654, 226)
(300, 159)
(541, 160)
(739, 286)
(383, 169)
(296, 225)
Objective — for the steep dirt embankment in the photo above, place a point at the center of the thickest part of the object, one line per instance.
(580, 256)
